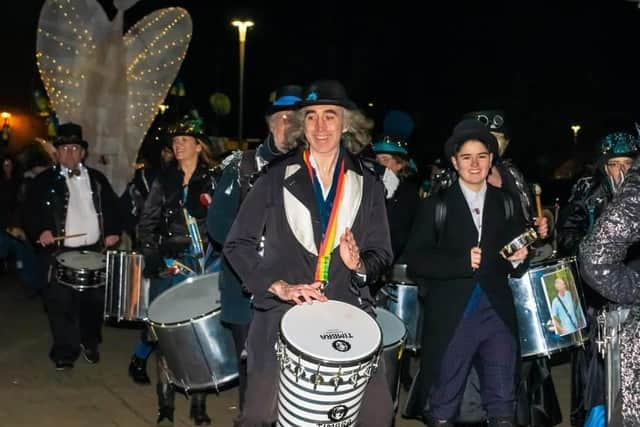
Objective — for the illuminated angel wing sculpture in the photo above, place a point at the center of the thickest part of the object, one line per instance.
(109, 83)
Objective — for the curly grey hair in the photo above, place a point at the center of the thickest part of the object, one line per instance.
(355, 137)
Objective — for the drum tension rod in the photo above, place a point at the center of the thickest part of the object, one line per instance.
(317, 378)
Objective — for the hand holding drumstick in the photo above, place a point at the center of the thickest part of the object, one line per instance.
(541, 222)
(47, 238)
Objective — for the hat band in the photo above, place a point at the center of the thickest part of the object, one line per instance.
(391, 148)
(287, 101)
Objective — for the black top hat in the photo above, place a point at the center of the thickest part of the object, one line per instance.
(470, 129)
(326, 92)
(187, 126)
(70, 133)
(492, 119)
(285, 98)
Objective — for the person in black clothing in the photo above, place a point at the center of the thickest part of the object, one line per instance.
(239, 174)
(470, 316)
(72, 199)
(184, 189)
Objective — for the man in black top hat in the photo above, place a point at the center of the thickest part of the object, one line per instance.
(70, 199)
(469, 311)
(241, 169)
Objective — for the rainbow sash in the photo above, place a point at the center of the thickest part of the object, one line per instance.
(324, 254)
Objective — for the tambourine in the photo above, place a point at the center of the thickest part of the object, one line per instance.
(522, 241)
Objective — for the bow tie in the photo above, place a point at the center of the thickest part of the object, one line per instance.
(73, 172)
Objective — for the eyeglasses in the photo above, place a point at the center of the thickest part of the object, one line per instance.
(68, 147)
(620, 164)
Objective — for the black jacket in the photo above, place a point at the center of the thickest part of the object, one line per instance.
(442, 265)
(48, 198)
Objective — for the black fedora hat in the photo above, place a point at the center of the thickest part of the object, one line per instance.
(70, 133)
(285, 98)
(469, 129)
(326, 92)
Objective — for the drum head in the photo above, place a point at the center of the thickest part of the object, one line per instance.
(393, 328)
(194, 297)
(331, 331)
(82, 260)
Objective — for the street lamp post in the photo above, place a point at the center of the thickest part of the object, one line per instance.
(242, 35)
(576, 130)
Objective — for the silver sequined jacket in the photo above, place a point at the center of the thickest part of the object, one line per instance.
(601, 259)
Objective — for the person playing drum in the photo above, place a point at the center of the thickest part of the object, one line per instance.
(470, 316)
(173, 236)
(325, 234)
(71, 199)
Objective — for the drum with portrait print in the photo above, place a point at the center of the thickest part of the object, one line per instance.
(327, 351)
(549, 308)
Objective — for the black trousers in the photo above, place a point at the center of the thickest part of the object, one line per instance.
(75, 318)
(240, 333)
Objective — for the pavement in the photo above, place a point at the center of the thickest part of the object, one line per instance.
(33, 393)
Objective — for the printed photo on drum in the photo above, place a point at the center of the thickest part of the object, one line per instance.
(563, 301)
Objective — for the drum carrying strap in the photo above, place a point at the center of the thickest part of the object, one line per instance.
(564, 307)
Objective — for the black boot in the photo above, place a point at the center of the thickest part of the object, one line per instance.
(166, 398)
(501, 422)
(199, 409)
(138, 370)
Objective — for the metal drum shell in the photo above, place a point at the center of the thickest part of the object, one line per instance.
(199, 351)
(533, 314)
(78, 277)
(403, 300)
(127, 290)
(392, 347)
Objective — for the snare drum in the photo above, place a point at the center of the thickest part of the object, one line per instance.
(401, 297)
(81, 270)
(127, 290)
(327, 352)
(548, 300)
(198, 351)
(393, 335)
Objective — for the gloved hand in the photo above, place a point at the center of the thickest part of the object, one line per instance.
(153, 264)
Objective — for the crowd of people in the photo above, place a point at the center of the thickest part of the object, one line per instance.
(322, 211)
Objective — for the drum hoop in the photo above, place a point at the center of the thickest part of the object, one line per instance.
(555, 263)
(183, 322)
(80, 287)
(329, 363)
(82, 269)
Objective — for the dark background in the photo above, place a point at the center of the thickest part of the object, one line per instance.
(549, 64)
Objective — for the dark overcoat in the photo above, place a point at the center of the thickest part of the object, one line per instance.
(440, 263)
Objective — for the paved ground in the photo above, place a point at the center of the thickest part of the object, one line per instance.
(32, 393)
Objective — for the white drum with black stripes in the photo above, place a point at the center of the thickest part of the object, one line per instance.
(327, 351)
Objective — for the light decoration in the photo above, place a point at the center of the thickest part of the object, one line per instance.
(110, 84)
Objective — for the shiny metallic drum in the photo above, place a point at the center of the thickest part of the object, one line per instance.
(400, 296)
(611, 321)
(80, 270)
(198, 350)
(394, 334)
(533, 295)
(127, 290)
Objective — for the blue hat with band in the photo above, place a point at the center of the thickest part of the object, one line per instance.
(284, 99)
(398, 127)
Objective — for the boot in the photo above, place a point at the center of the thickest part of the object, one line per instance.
(166, 397)
(138, 370)
(199, 409)
(502, 422)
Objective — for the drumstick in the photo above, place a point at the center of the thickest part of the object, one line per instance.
(179, 264)
(538, 191)
(68, 236)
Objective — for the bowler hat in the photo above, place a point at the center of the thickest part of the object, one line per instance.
(469, 129)
(70, 133)
(326, 92)
(285, 98)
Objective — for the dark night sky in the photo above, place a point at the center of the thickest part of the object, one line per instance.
(548, 63)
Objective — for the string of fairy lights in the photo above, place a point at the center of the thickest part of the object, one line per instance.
(156, 46)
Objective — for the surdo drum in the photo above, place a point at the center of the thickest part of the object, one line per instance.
(80, 270)
(127, 290)
(327, 351)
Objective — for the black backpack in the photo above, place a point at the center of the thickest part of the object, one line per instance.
(440, 215)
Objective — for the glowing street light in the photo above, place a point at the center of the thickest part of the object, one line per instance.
(242, 35)
(575, 129)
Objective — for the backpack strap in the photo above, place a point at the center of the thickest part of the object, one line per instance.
(440, 215)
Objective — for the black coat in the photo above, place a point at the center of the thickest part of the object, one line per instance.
(48, 198)
(443, 267)
(401, 209)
